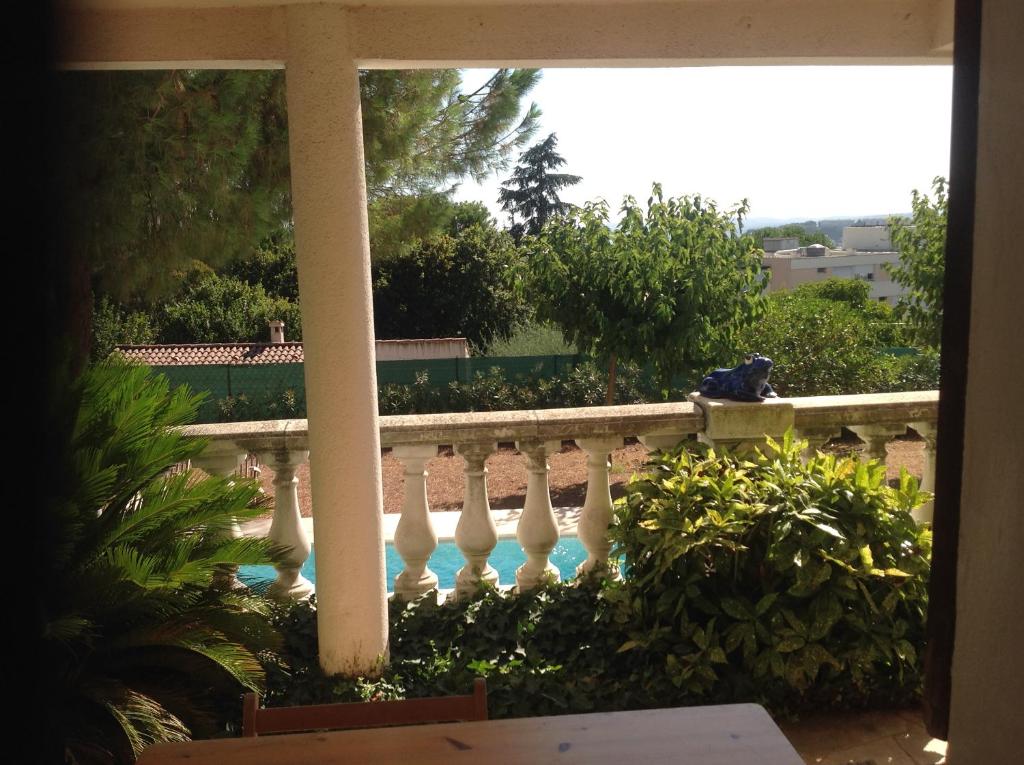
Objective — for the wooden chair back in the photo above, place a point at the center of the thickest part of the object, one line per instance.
(366, 714)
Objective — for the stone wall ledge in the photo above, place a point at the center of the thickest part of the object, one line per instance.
(472, 427)
(865, 409)
(811, 412)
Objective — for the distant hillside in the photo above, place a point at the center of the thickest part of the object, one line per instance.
(832, 227)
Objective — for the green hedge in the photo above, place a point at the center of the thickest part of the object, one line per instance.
(798, 586)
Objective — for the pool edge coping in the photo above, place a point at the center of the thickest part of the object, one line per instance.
(444, 523)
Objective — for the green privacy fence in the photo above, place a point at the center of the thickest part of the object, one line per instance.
(256, 381)
(444, 371)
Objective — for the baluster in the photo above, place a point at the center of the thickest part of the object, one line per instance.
(927, 431)
(537, 531)
(597, 507)
(286, 529)
(815, 438)
(222, 458)
(476, 535)
(415, 539)
(876, 437)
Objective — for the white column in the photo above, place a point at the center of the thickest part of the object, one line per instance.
(476, 535)
(597, 507)
(415, 539)
(286, 529)
(537, 530)
(333, 258)
(222, 458)
(876, 437)
(927, 431)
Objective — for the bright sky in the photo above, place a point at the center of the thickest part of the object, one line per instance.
(797, 142)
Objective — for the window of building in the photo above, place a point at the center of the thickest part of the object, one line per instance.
(822, 270)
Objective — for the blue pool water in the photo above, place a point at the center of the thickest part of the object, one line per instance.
(447, 560)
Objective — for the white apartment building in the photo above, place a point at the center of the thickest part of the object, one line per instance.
(864, 253)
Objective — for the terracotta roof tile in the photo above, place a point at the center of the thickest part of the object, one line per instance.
(213, 354)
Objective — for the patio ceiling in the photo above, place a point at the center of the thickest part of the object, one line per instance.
(465, 33)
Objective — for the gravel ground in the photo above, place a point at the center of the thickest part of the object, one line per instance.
(506, 478)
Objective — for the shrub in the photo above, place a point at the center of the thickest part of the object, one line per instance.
(490, 391)
(821, 346)
(917, 371)
(141, 641)
(796, 586)
(282, 404)
(797, 583)
(533, 339)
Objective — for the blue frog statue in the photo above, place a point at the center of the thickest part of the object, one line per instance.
(746, 382)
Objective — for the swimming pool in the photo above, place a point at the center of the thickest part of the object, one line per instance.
(446, 562)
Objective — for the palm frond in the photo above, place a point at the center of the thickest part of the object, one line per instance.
(139, 643)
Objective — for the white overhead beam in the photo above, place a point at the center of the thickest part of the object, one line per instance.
(697, 32)
(162, 38)
(686, 33)
(942, 39)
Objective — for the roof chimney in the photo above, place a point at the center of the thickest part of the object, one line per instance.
(276, 331)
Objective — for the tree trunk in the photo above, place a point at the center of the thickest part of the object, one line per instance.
(612, 368)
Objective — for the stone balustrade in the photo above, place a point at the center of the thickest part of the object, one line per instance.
(414, 439)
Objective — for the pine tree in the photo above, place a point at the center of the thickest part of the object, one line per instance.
(532, 191)
(163, 169)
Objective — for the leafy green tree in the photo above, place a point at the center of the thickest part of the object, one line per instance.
(398, 223)
(670, 285)
(272, 267)
(141, 641)
(114, 324)
(459, 284)
(824, 343)
(921, 242)
(798, 230)
(167, 168)
(885, 327)
(218, 309)
(532, 191)
(170, 167)
(855, 292)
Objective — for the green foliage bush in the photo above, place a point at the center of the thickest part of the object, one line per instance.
(807, 581)
(532, 339)
(796, 586)
(489, 392)
(284, 404)
(799, 230)
(825, 338)
(917, 371)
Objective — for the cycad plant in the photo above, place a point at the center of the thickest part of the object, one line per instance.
(140, 643)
